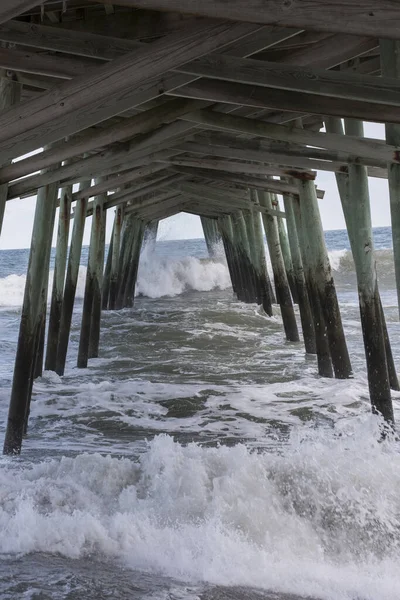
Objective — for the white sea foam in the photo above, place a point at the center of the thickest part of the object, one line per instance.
(12, 288)
(320, 519)
(159, 277)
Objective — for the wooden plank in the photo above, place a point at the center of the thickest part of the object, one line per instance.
(60, 67)
(226, 140)
(247, 181)
(318, 82)
(268, 98)
(13, 8)
(91, 140)
(85, 101)
(289, 163)
(235, 167)
(360, 17)
(80, 43)
(371, 149)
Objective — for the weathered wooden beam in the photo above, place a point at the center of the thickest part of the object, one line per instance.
(256, 96)
(292, 163)
(233, 167)
(10, 93)
(367, 148)
(246, 181)
(361, 18)
(87, 100)
(316, 82)
(92, 140)
(13, 8)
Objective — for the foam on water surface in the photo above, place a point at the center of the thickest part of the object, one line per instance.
(200, 457)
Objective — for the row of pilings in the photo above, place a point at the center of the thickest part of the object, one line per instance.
(300, 266)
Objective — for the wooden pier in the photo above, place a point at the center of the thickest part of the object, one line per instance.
(225, 110)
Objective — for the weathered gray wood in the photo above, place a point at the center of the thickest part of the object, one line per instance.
(324, 284)
(95, 322)
(361, 17)
(71, 280)
(260, 97)
(231, 167)
(212, 236)
(58, 278)
(316, 82)
(87, 100)
(150, 237)
(129, 294)
(13, 8)
(354, 195)
(118, 220)
(287, 259)
(390, 64)
(31, 319)
(271, 185)
(81, 43)
(278, 267)
(10, 93)
(371, 149)
(92, 285)
(105, 291)
(91, 140)
(261, 261)
(306, 315)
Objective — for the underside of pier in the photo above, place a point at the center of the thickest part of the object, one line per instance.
(223, 109)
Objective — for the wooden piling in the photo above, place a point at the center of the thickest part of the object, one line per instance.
(59, 277)
(306, 315)
(125, 256)
(71, 279)
(390, 65)
(105, 291)
(262, 272)
(354, 194)
(325, 368)
(321, 275)
(31, 318)
(286, 254)
(116, 244)
(278, 267)
(129, 293)
(230, 260)
(10, 94)
(92, 285)
(245, 267)
(97, 295)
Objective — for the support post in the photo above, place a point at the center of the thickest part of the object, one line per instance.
(31, 319)
(59, 277)
(322, 275)
(10, 94)
(306, 315)
(278, 267)
(129, 293)
(390, 66)
(71, 279)
(245, 266)
(285, 247)
(354, 194)
(116, 245)
(259, 248)
(105, 292)
(92, 286)
(97, 295)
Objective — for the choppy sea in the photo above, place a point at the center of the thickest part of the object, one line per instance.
(200, 457)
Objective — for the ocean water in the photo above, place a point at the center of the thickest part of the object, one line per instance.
(200, 457)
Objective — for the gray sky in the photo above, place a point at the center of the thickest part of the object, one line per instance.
(18, 219)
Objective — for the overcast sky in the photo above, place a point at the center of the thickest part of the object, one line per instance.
(18, 219)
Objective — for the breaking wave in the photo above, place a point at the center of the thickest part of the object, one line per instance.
(321, 519)
(167, 276)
